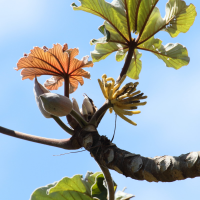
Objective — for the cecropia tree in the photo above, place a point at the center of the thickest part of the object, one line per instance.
(129, 27)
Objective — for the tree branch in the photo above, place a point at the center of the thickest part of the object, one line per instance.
(69, 144)
(160, 168)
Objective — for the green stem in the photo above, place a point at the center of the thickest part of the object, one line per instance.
(78, 118)
(109, 181)
(62, 125)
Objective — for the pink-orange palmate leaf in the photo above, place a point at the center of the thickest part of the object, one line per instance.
(58, 61)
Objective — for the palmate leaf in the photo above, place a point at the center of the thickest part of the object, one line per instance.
(58, 61)
(92, 187)
(98, 189)
(174, 55)
(106, 11)
(143, 18)
(179, 17)
(68, 188)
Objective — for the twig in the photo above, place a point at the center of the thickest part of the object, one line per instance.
(78, 118)
(115, 126)
(96, 118)
(62, 125)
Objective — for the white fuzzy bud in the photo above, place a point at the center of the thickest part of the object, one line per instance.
(88, 105)
(75, 105)
(56, 104)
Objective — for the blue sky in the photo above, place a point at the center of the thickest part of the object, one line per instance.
(168, 124)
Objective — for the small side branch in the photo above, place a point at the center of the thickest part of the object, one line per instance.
(62, 125)
(99, 114)
(68, 144)
(78, 118)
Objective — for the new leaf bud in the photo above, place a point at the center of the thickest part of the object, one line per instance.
(56, 104)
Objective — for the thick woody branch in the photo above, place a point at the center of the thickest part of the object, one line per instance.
(69, 144)
(160, 168)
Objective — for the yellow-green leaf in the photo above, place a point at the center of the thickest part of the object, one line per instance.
(120, 55)
(106, 11)
(133, 9)
(154, 24)
(110, 34)
(103, 50)
(179, 17)
(145, 9)
(174, 55)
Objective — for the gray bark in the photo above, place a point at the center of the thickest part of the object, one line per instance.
(160, 168)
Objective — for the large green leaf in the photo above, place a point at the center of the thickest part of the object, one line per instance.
(155, 23)
(106, 11)
(179, 17)
(102, 50)
(120, 55)
(104, 39)
(107, 44)
(98, 189)
(144, 11)
(68, 188)
(41, 193)
(135, 66)
(110, 35)
(119, 6)
(142, 17)
(174, 55)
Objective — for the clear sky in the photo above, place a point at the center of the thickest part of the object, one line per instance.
(168, 124)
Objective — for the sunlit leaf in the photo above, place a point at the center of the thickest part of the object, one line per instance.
(58, 61)
(120, 55)
(98, 189)
(144, 11)
(104, 50)
(41, 193)
(123, 196)
(104, 39)
(135, 66)
(67, 188)
(174, 55)
(106, 11)
(154, 24)
(179, 17)
(142, 17)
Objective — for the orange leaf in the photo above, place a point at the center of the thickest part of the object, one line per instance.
(58, 61)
